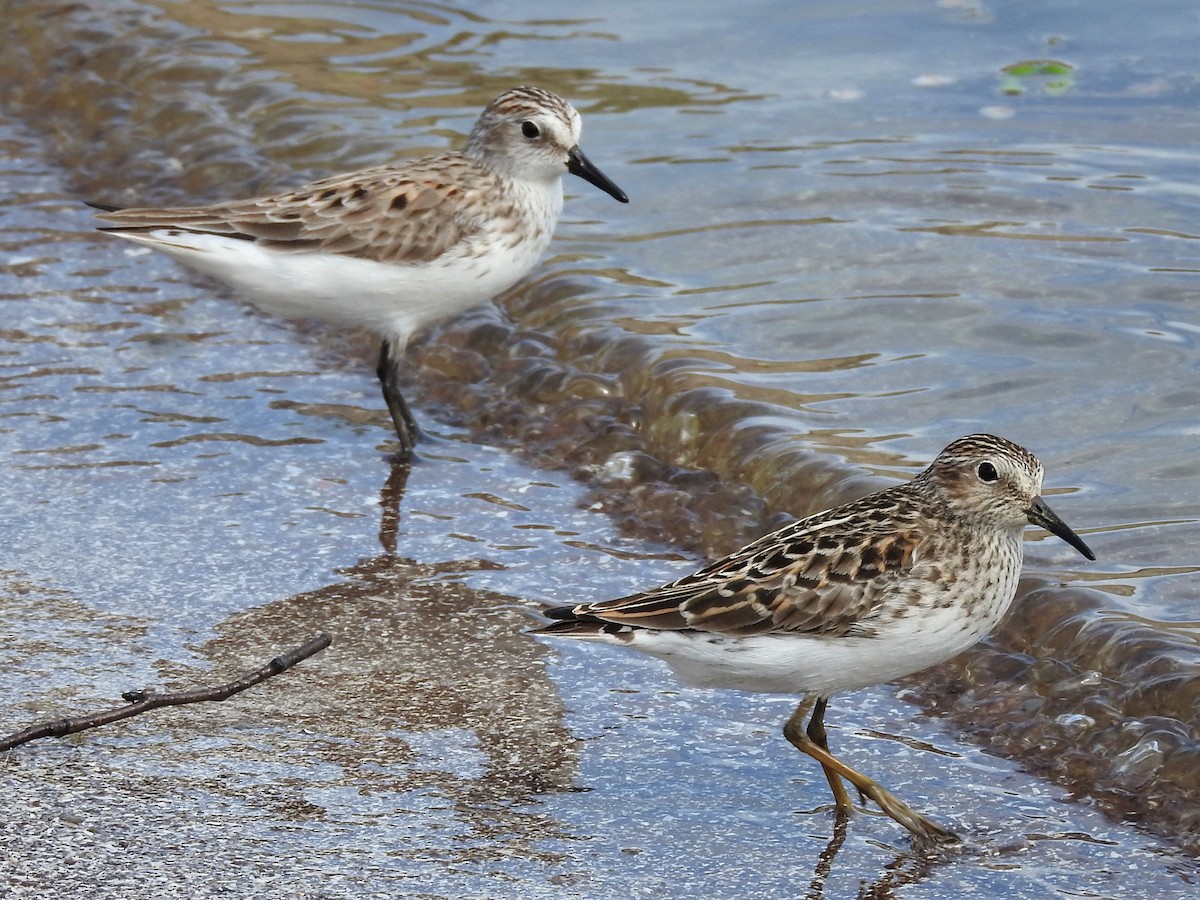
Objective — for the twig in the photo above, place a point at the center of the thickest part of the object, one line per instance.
(144, 701)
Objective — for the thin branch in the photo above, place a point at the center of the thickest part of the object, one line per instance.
(144, 701)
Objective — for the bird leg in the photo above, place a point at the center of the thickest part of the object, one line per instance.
(813, 743)
(816, 732)
(406, 427)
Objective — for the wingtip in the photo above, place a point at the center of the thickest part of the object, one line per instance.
(577, 628)
(546, 617)
(566, 621)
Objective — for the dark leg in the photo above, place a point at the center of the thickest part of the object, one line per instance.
(406, 428)
(812, 743)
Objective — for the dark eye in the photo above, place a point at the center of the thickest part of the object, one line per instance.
(530, 130)
(987, 472)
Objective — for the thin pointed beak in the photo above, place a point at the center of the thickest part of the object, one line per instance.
(578, 164)
(1041, 514)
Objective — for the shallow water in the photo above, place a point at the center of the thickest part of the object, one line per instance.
(848, 243)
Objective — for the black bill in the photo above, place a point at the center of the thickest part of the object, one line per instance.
(1041, 514)
(578, 164)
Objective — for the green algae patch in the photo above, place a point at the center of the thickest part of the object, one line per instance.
(1047, 76)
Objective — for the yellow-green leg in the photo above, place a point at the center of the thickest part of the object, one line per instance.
(813, 742)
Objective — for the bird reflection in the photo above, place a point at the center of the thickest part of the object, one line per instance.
(816, 887)
(391, 496)
(908, 867)
(428, 690)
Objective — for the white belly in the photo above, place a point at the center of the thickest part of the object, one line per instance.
(390, 299)
(798, 664)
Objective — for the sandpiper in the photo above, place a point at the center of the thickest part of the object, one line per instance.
(392, 248)
(857, 595)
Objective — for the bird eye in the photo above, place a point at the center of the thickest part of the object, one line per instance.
(530, 130)
(987, 472)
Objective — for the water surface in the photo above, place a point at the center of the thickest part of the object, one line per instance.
(854, 236)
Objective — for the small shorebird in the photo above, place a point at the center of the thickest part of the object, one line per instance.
(392, 248)
(857, 595)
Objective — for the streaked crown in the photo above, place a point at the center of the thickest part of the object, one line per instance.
(526, 131)
(984, 477)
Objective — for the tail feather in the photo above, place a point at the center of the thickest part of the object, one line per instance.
(571, 623)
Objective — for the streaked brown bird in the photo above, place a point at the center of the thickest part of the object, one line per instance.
(857, 595)
(394, 248)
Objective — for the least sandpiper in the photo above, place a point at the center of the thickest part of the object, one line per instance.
(392, 248)
(857, 595)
